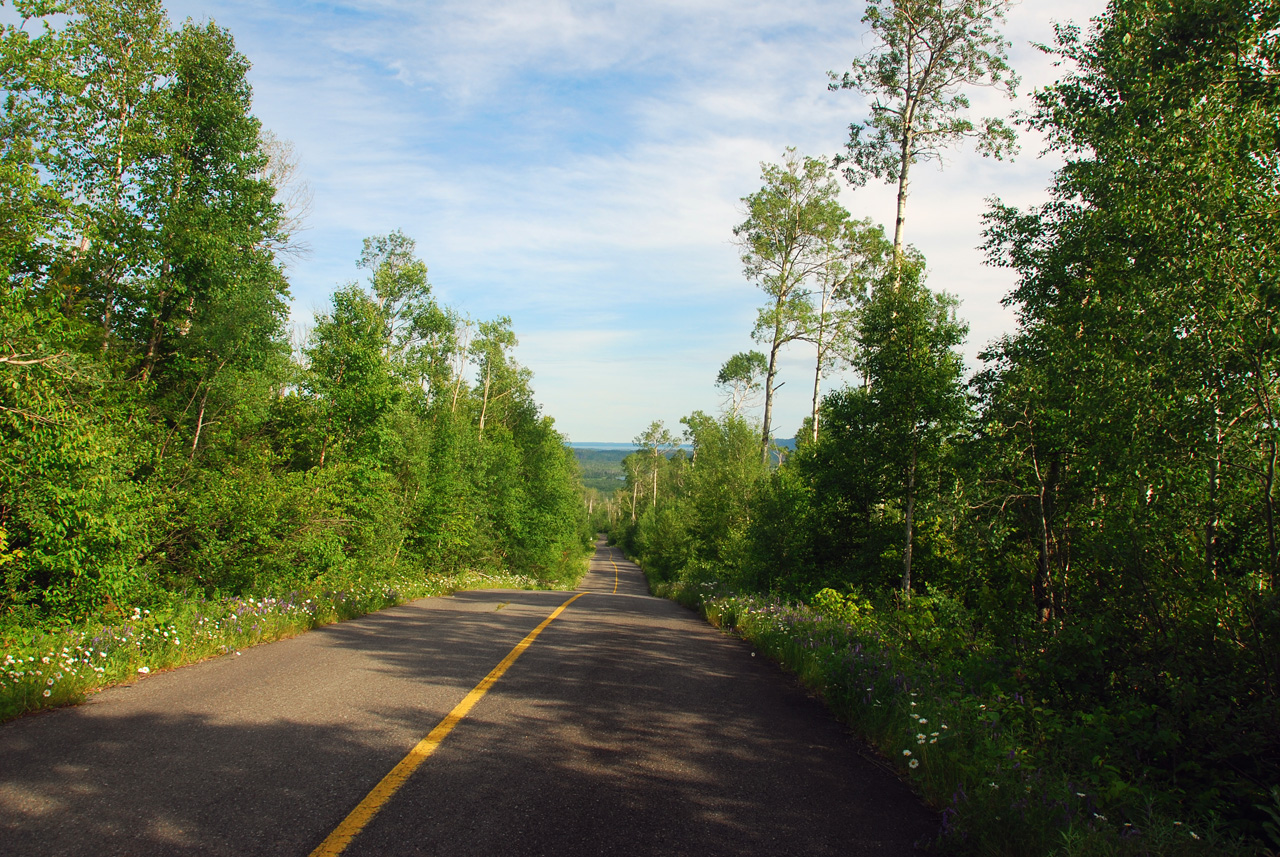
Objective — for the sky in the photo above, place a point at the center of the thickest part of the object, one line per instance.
(579, 165)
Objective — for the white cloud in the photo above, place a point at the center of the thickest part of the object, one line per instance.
(565, 160)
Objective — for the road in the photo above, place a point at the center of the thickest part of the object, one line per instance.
(627, 727)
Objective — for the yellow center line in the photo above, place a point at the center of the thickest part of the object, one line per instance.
(337, 841)
(615, 576)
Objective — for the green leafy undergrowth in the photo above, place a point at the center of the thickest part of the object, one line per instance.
(60, 666)
(988, 759)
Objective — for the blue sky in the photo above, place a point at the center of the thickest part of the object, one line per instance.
(578, 166)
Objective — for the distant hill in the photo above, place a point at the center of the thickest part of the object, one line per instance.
(602, 467)
(601, 463)
(784, 442)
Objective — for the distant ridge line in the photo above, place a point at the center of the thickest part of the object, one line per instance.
(784, 442)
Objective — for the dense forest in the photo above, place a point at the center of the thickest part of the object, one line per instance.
(601, 469)
(162, 438)
(1067, 558)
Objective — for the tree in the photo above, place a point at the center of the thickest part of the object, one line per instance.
(857, 258)
(654, 441)
(217, 303)
(499, 375)
(929, 52)
(293, 194)
(350, 374)
(100, 83)
(908, 339)
(720, 489)
(29, 209)
(740, 380)
(399, 283)
(421, 337)
(1149, 270)
(1144, 374)
(786, 240)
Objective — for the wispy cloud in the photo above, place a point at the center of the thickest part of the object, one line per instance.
(566, 161)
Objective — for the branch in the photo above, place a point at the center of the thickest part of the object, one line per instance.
(30, 416)
(16, 359)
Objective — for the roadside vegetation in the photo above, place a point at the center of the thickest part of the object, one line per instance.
(1045, 590)
(173, 467)
(43, 668)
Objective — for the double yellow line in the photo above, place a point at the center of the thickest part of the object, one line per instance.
(337, 841)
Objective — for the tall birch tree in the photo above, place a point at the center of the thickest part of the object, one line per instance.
(856, 258)
(928, 54)
(785, 243)
(740, 380)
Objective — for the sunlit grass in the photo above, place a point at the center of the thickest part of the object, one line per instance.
(44, 669)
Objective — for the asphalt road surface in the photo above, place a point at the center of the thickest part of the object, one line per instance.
(628, 727)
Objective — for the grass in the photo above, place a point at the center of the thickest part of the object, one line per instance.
(54, 667)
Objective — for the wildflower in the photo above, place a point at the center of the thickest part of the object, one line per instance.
(906, 752)
(1099, 816)
(923, 721)
(47, 692)
(933, 740)
(914, 763)
(49, 682)
(144, 670)
(1193, 834)
(45, 659)
(1081, 794)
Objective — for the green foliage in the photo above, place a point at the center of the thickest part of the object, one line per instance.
(1088, 534)
(160, 446)
(740, 378)
(790, 239)
(908, 355)
(927, 53)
